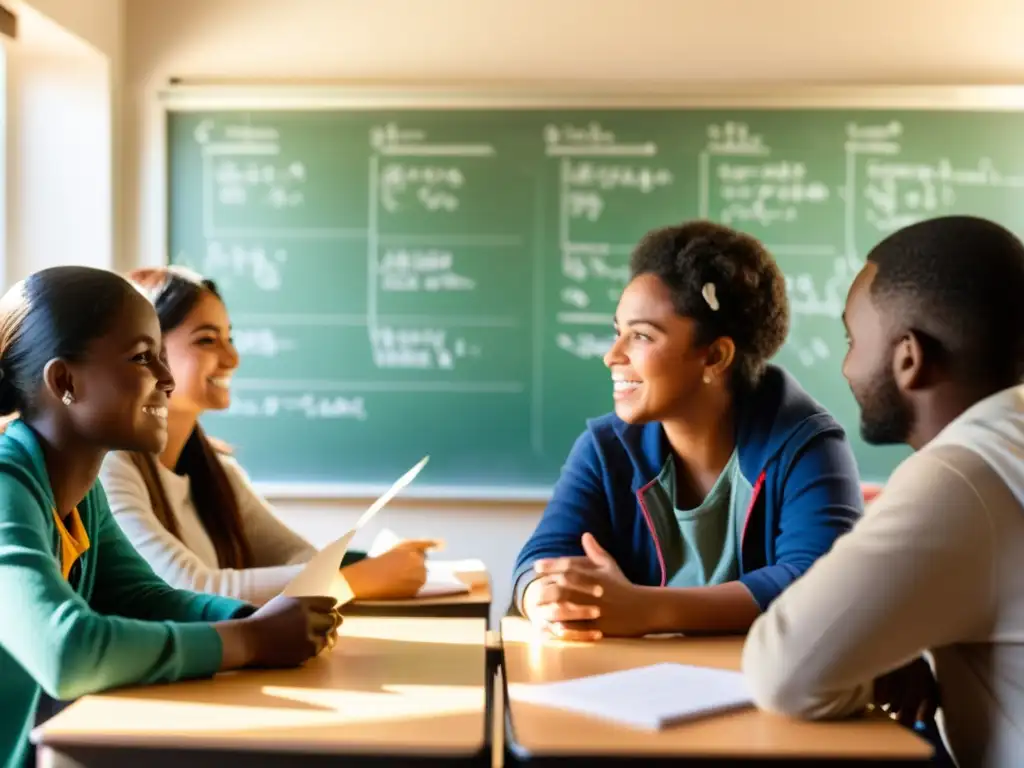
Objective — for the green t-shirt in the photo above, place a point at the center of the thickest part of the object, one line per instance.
(710, 533)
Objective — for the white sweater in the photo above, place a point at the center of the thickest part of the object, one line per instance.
(935, 565)
(191, 563)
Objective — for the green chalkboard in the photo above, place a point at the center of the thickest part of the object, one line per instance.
(411, 281)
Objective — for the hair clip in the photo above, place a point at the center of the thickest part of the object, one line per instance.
(708, 292)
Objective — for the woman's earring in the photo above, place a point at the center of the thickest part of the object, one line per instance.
(68, 398)
(707, 379)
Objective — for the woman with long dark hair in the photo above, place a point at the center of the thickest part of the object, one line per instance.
(190, 510)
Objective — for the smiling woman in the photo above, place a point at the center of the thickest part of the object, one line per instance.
(716, 482)
(80, 612)
(189, 509)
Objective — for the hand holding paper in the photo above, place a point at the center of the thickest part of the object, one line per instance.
(444, 577)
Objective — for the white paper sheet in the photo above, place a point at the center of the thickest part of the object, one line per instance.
(391, 492)
(649, 698)
(322, 576)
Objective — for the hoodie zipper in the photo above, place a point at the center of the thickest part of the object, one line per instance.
(758, 487)
(650, 524)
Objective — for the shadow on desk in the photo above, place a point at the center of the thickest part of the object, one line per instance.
(392, 691)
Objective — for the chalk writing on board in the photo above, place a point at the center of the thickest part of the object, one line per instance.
(427, 270)
(599, 173)
(900, 193)
(256, 264)
(575, 297)
(306, 405)
(607, 176)
(433, 187)
(419, 348)
(745, 182)
(412, 172)
(395, 139)
(587, 184)
(734, 138)
(591, 139)
(741, 184)
(747, 176)
(585, 346)
(391, 134)
(242, 181)
(261, 342)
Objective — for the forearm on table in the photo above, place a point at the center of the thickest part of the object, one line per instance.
(722, 608)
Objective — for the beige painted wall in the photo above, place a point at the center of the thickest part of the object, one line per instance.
(62, 87)
(668, 41)
(96, 22)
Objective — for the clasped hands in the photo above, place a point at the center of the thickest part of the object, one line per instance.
(585, 597)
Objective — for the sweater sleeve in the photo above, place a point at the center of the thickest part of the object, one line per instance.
(68, 646)
(170, 558)
(917, 572)
(127, 586)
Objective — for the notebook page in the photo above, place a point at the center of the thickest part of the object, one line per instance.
(651, 698)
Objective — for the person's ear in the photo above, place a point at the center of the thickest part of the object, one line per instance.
(59, 381)
(909, 363)
(720, 357)
(919, 359)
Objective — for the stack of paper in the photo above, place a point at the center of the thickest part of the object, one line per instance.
(649, 698)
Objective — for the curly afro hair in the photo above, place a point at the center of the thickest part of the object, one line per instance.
(753, 309)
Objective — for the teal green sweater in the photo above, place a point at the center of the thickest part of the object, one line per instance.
(115, 624)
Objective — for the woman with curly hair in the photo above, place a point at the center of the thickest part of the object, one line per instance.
(716, 482)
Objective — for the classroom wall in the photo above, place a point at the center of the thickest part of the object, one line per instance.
(640, 41)
(62, 87)
(97, 23)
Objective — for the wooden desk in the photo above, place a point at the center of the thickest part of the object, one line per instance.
(475, 604)
(544, 734)
(398, 688)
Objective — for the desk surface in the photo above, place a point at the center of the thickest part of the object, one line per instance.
(401, 686)
(543, 731)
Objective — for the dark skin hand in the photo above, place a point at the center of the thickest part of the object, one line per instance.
(585, 598)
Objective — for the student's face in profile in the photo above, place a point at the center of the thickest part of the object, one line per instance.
(885, 416)
(655, 367)
(121, 384)
(202, 358)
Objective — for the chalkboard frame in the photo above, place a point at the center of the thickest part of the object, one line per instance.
(202, 94)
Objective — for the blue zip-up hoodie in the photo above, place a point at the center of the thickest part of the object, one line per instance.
(804, 492)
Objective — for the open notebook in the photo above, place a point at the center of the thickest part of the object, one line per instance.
(444, 577)
(650, 698)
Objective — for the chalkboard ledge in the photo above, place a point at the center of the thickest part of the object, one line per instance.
(298, 491)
